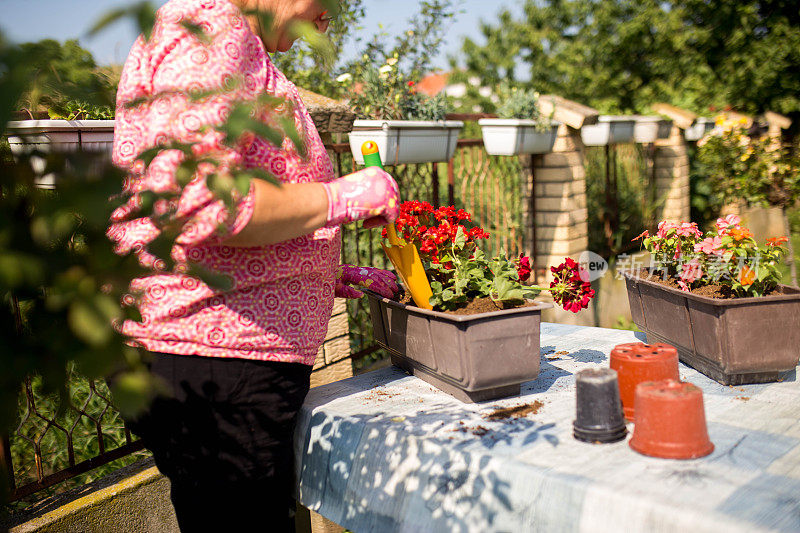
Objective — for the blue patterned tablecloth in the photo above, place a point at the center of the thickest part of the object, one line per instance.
(387, 452)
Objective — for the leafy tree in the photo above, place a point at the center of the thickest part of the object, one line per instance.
(60, 74)
(623, 55)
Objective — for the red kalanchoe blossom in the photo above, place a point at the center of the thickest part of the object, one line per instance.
(524, 267)
(567, 287)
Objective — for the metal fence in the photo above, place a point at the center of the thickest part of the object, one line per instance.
(63, 437)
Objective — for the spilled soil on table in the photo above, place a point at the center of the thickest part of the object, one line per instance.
(518, 411)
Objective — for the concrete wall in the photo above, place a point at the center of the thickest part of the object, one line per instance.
(134, 499)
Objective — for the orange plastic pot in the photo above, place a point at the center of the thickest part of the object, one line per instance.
(638, 362)
(670, 421)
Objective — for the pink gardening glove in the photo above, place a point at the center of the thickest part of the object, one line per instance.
(381, 281)
(369, 194)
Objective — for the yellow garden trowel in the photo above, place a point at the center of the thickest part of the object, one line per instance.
(404, 257)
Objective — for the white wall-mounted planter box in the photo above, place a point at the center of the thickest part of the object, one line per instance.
(608, 130)
(59, 136)
(516, 136)
(407, 141)
(649, 129)
(697, 131)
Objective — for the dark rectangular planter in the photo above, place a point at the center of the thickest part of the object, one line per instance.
(734, 341)
(472, 357)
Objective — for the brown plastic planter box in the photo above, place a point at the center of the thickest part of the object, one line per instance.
(735, 341)
(472, 357)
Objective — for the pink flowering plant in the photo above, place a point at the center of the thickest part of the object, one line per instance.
(459, 271)
(728, 256)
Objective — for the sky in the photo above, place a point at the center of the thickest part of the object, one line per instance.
(32, 20)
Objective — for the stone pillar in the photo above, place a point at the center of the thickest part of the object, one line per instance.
(558, 183)
(671, 166)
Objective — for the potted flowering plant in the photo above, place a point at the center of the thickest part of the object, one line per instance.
(521, 128)
(481, 340)
(717, 299)
(407, 126)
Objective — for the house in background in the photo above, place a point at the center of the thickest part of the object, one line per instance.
(433, 84)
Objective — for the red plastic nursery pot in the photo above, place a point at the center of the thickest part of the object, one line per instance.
(471, 357)
(637, 362)
(670, 421)
(734, 341)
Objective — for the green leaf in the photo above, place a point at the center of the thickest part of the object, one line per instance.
(197, 31)
(290, 130)
(17, 269)
(143, 13)
(260, 173)
(461, 238)
(89, 320)
(212, 279)
(133, 391)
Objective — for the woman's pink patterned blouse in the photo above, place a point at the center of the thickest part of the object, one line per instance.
(282, 297)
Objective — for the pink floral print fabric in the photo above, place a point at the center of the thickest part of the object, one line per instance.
(282, 295)
(369, 194)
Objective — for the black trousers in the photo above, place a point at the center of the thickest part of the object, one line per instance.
(224, 440)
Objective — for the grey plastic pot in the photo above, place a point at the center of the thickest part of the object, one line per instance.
(735, 341)
(471, 357)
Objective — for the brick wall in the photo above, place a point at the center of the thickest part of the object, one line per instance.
(333, 359)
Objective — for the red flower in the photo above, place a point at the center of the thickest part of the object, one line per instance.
(644, 234)
(524, 267)
(777, 241)
(434, 230)
(567, 287)
(411, 84)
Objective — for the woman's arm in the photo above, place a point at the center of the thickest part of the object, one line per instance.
(282, 213)
(295, 209)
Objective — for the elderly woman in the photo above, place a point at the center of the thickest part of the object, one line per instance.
(237, 362)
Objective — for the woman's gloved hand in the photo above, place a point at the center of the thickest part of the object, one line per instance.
(375, 279)
(369, 194)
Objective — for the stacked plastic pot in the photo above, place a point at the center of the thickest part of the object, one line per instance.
(642, 386)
